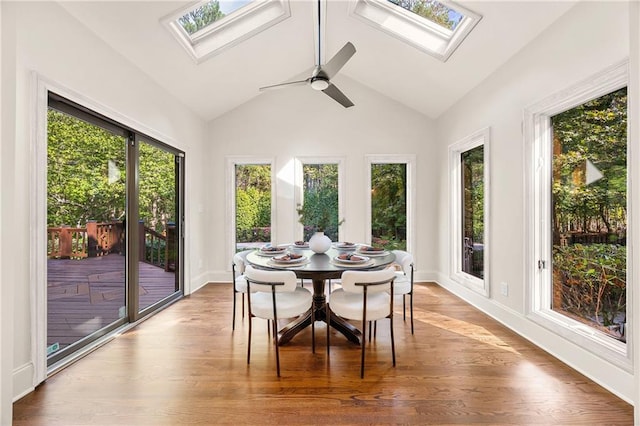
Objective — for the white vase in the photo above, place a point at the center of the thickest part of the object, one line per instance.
(319, 242)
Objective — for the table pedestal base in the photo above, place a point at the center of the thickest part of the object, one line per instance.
(320, 310)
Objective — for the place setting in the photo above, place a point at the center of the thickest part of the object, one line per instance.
(345, 246)
(351, 260)
(270, 251)
(288, 260)
(367, 250)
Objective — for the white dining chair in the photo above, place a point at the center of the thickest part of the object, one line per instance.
(365, 296)
(238, 266)
(274, 295)
(403, 284)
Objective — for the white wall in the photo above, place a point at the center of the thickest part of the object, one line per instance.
(586, 40)
(298, 121)
(42, 37)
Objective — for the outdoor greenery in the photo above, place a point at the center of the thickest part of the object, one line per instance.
(389, 205)
(431, 10)
(319, 211)
(590, 281)
(86, 176)
(473, 211)
(253, 203)
(201, 17)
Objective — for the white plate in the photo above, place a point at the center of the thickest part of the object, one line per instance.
(345, 246)
(300, 246)
(361, 259)
(280, 250)
(286, 259)
(371, 253)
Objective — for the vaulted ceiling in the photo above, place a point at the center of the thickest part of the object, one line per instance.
(285, 52)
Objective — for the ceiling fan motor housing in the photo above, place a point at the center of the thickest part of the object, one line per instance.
(319, 82)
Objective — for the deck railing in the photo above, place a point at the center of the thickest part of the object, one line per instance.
(99, 239)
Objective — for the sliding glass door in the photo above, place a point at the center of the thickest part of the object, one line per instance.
(158, 239)
(114, 226)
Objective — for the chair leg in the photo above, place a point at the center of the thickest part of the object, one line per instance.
(328, 327)
(364, 340)
(233, 318)
(249, 343)
(393, 345)
(275, 340)
(313, 330)
(411, 309)
(404, 307)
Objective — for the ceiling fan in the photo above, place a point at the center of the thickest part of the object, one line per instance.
(322, 74)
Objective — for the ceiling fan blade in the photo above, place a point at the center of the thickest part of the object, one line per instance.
(335, 93)
(339, 59)
(283, 85)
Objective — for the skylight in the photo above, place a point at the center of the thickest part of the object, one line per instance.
(432, 10)
(434, 27)
(210, 26)
(208, 13)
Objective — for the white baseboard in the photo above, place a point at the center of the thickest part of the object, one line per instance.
(617, 381)
(23, 381)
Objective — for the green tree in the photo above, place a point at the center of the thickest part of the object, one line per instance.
(319, 211)
(201, 17)
(85, 172)
(157, 192)
(253, 202)
(429, 9)
(389, 204)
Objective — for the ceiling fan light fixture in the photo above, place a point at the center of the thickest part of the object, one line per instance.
(319, 84)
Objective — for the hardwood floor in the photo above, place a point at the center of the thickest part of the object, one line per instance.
(185, 366)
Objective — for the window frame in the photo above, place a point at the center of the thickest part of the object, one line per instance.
(410, 161)
(414, 29)
(478, 138)
(538, 164)
(232, 162)
(238, 26)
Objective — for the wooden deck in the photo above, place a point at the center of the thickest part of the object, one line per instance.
(88, 294)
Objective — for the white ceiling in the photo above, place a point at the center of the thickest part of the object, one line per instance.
(286, 52)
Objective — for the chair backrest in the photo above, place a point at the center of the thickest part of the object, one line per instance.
(240, 261)
(351, 279)
(261, 280)
(405, 260)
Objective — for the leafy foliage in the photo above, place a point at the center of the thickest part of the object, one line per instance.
(253, 203)
(201, 17)
(431, 10)
(85, 172)
(389, 205)
(592, 282)
(319, 211)
(86, 176)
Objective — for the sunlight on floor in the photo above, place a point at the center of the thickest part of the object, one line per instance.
(462, 328)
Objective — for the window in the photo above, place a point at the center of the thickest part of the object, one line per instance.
(205, 15)
(320, 200)
(252, 205)
(428, 25)
(213, 25)
(390, 201)
(434, 11)
(579, 280)
(469, 188)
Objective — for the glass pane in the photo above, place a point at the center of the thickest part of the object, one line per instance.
(253, 205)
(85, 230)
(589, 186)
(432, 10)
(319, 210)
(473, 211)
(209, 13)
(157, 233)
(389, 206)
